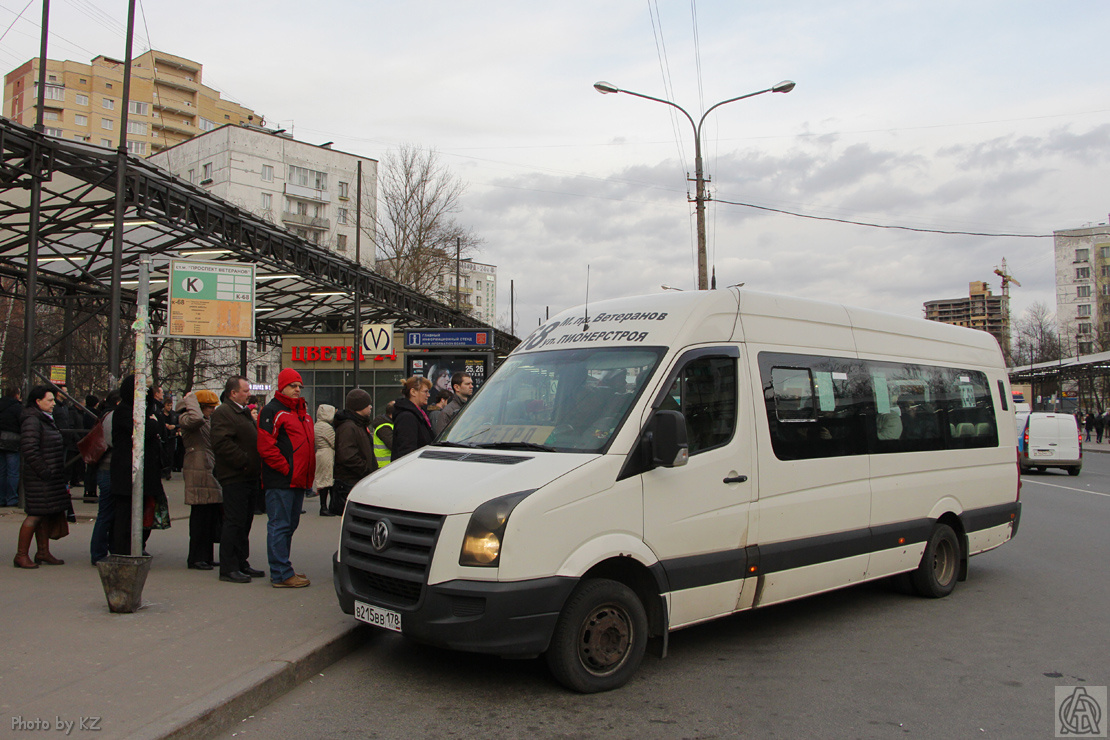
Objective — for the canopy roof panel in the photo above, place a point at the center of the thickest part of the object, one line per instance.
(301, 287)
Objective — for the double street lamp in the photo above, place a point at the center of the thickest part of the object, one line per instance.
(699, 199)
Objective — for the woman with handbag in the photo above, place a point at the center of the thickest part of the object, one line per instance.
(44, 479)
(203, 493)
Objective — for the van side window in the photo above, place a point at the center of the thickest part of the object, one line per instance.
(830, 406)
(705, 393)
(813, 406)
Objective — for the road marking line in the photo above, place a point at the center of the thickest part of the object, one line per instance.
(1026, 481)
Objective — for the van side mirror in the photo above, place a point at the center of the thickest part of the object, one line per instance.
(665, 440)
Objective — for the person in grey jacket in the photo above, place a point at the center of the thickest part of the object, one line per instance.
(325, 454)
(202, 491)
(462, 385)
(44, 477)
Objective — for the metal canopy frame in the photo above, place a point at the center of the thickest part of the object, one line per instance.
(169, 217)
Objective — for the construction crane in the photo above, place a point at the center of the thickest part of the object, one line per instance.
(1004, 273)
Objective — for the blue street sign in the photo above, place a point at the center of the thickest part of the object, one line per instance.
(428, 338)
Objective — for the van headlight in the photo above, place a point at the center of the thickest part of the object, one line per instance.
(482, 544)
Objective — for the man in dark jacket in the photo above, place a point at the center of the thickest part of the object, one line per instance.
(237, 468)
(11, 407)
(287, 446)
(68, 419)
(354, 447)
(462, 385)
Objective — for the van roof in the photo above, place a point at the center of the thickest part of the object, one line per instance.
(691, 317)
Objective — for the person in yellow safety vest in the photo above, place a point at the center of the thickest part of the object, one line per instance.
(382, 427)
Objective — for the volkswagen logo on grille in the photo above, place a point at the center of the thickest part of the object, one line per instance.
(379, 538)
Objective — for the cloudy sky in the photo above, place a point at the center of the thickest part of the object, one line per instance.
(983, 116)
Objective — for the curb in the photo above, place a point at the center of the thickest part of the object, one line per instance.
(245, 694)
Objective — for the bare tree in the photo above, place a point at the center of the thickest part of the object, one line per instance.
(1036, 336)
(417, 233)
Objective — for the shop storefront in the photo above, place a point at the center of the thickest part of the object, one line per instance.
(326, 364)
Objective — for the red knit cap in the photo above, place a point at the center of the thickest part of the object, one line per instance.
(287, 376)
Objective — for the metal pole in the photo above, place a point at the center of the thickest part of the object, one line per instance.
(512, 307)
(699, 208)
(138, 410)
(358, 281)
(699, 197)
(458, 278)
(114, 326)
(29, 307)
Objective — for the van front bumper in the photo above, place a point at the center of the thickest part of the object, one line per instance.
(513, 619)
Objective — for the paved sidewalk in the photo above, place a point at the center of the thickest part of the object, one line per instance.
(198, 654)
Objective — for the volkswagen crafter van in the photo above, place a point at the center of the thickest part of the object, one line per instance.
(646, 464)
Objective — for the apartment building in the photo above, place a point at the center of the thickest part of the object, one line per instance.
(168, 102)
(979, 310)
(309, 189)
(477, 289)
(1083, 287)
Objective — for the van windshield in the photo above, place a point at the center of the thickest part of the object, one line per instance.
(561, 400)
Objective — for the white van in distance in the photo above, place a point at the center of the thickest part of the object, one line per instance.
(1049, 440)
(650, 463)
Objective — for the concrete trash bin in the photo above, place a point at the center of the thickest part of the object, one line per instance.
(123, 577)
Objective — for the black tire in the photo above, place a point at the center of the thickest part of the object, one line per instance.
(939, 570)
(1074, 471)
(600, 637)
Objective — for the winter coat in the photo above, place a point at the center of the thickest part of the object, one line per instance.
(411, 428)
(449, 412)
(201, 487)
(235, 444)
(325, 446)
(121, 466)
(11, 415)
(44, 473)
(287, 444)
(354, 448)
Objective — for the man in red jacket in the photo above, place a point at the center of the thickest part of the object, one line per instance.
(287, 446)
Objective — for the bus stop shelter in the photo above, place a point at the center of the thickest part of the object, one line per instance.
(301, 287)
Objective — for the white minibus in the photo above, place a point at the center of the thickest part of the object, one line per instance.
(644, 464)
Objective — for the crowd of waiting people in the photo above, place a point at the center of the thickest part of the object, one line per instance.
(237, 460)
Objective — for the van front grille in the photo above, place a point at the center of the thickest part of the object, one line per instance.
(397, 573)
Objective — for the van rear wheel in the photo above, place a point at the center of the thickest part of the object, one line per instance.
(600, 637)
(936, 576)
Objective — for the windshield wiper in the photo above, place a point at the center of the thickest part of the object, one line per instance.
(454, 444)
(514, 446)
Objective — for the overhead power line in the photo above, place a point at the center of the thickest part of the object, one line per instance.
(881, 226)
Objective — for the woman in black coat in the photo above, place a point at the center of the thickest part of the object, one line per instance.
(411, 427)
(121, 471)
(44, 477)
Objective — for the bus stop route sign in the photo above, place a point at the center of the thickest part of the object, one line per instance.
(211, 300)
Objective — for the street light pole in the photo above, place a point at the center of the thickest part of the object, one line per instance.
(699, 176)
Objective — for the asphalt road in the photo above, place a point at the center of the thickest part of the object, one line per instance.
(861, 662)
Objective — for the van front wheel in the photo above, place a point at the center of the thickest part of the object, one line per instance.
(600, 637)
(936, 576)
